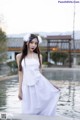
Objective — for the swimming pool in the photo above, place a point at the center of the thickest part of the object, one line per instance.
(67, 80)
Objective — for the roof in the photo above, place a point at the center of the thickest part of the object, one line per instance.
(15, 42)
(59, 37)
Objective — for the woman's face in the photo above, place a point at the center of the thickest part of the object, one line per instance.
(33, 44)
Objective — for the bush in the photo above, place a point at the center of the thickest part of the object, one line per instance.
(12, 64)
(44, 56)
(59, 57)
(45, 63)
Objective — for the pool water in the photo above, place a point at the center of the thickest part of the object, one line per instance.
(69, 101)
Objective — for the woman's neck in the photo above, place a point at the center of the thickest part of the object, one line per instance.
(30, 54)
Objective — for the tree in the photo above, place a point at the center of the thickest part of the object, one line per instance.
(3, 45)
(64, 56)
(59, 57)
(55, 57)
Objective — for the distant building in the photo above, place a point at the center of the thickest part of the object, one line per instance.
(14, 47)
(15, 44)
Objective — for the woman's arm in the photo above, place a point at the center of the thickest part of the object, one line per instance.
(20, 75)
(41, 63)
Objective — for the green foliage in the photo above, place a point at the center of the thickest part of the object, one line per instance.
(3, 45)
(44, 56)
(45, 63)
(59, 56)
(55, 56)
(2, 35)
(12, 64)
(13, 67)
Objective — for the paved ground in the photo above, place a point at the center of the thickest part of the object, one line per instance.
(28, 117)
(31, 117)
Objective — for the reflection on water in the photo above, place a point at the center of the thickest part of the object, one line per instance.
(69, 101)
(65, 74)
(10, 89)
(2, 96)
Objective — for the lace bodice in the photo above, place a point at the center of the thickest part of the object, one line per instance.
(31, 71)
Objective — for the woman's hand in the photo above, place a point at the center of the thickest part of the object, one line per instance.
(20, 95)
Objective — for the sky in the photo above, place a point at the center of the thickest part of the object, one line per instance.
(21, 16)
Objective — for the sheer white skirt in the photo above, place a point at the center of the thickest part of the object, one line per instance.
(40, 99)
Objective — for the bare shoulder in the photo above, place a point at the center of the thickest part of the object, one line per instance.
(18, 56)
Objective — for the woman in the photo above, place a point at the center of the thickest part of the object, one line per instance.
(38, 95)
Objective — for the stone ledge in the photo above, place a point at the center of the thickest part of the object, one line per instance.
(5, 77)
(37, 117)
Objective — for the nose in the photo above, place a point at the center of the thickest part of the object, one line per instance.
(33, 45)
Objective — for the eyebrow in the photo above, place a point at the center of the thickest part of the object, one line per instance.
(34, 41)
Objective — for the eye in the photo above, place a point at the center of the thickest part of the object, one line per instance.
(31, 42)
(35, 43)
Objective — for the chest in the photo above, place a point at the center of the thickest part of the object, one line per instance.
(30, 63)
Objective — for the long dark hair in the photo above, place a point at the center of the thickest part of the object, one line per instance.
(25, 50)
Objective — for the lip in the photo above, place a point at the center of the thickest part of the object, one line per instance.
(32, 48)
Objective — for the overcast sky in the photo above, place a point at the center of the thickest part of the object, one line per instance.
(20, 16)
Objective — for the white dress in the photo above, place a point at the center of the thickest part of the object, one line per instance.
(39, 96)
